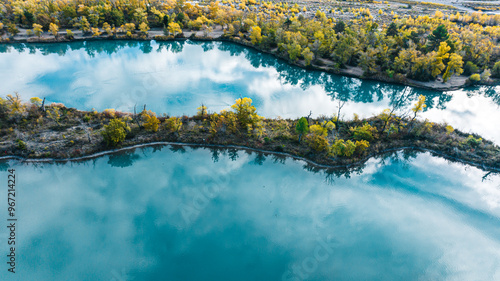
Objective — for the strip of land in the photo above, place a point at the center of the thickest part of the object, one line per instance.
(36, 131)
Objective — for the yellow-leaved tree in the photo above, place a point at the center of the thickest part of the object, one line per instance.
(174, 28)
(454, 66)
(37, 30)
(202, 111)
(144, 28)
(247, 116)
(36, 101)
(54, 29)
(151, 122)
(256, 35)
(115, 132)
(95, 32)
(15, 104)
(173, 124)
(418, 107)
(442, 54)
(107, 28)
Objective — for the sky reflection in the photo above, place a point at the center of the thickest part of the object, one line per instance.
(176, 214)
(177, 77)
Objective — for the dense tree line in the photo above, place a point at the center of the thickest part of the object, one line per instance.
(422, 48)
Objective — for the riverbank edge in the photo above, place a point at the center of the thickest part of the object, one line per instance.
(354, 72)
(313, 163)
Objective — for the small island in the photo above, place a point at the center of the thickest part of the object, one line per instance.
(53, 132)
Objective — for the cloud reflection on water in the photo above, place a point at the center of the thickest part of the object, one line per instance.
(393, 219)
(177, 77)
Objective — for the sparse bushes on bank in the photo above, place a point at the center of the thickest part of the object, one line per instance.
(353, 140)
(115, 132)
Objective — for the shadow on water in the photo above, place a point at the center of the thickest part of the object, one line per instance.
(127, 158)
(124, 159)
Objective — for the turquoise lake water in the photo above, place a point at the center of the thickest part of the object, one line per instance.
(180, 213)
(177, 77)
(171, 213)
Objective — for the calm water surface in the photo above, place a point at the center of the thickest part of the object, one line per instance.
(170, 213)
(177, 77)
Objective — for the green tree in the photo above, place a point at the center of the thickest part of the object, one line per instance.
(180, 17)
(29, 18)
(470, 68)
(115, 132)
(422, 68)
(392, 30)
(437, 36)
(339, 27)
(343, 148)
(308, 56)
(485, 76)
(495, 72)
(12, 29)
(364, 132)
(368, 61)
(294, 51)
(346, 48)
(173, 124)
(116, 17)
(302, 127)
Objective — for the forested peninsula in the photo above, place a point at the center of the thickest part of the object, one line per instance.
(439, 48)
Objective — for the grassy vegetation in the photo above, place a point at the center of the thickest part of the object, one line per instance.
(37, 131)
